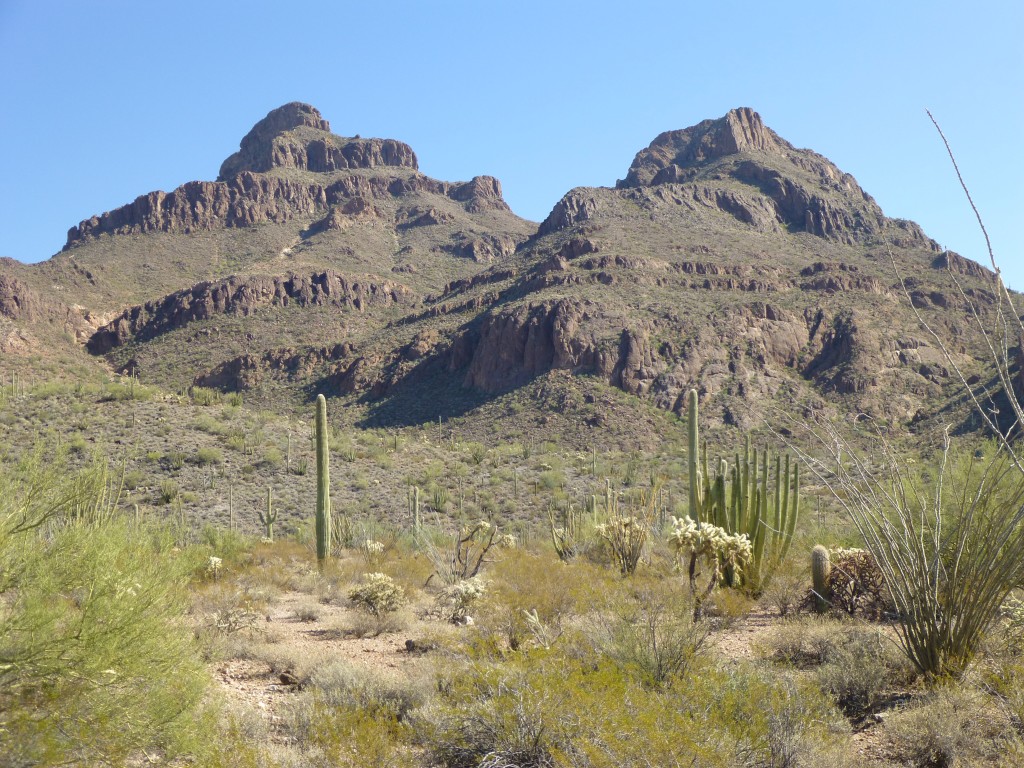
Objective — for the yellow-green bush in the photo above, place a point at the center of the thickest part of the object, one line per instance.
(95, 662)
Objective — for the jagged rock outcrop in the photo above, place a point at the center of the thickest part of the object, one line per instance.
(297, 136)
(575, 207)
(741, 130)
(21, 304)
(244, 295)
(513, 346)
(247, 372)
(294, 136)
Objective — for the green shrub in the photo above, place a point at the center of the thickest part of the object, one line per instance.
(207, 456)
(92, 637)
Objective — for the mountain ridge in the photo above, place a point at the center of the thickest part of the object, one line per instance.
(726, 260)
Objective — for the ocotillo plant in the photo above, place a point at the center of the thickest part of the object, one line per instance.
(269, 515)
(747, 503)
(323, 485)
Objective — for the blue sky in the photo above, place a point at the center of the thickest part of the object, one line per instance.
(104, 101)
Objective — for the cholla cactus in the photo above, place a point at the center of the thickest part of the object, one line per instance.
(373, 552)
(213, 567)
(625, 537)
(711, 543)
(455, 600)
(507, 541)
(378, 594)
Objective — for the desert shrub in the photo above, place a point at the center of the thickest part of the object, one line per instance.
(204, 396)
(91, 636)
(861, 668)
(863, 671)
(556, 709)
(787, 587)
(378, 594)
(650, 632)
(134, 479)
(168, 492)
(347, 736)
(953, 727)
(206, 456)
(341, 684)
(855, 584)
(527, 590)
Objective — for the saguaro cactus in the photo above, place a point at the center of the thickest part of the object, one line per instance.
(269, 516)
(323, 484)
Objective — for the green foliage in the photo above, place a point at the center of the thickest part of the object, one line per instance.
(946, 540)
(91, 637)
(377, 594)
(553, 708)
(208, 456)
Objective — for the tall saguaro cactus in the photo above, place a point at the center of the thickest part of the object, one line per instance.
(323, 484)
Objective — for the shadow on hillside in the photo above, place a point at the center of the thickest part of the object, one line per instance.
(421, 396)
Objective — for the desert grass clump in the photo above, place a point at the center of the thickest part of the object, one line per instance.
(957, 726)
(650, 632)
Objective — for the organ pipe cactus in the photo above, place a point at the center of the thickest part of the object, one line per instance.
(323, 484)
(742, 499)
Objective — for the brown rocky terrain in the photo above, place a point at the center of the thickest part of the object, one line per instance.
(727, 259)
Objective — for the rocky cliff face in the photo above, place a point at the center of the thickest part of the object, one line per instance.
(26, 307)
(244, 295)
(296, 136)
(791, 188)
(246, 194)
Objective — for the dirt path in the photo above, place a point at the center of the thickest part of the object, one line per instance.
(289, 643)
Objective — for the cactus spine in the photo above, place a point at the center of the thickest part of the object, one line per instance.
(323, 485)
(269, 516)
(821, 567)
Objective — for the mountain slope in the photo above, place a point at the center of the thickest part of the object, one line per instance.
(726, 260)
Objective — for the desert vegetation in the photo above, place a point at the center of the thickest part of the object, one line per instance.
(554, 563)
(638, 617)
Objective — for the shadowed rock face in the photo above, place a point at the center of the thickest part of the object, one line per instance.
(243, 295)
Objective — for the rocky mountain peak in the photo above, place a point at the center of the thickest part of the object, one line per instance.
(740, 130)
(285, 118)
(297, 136)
